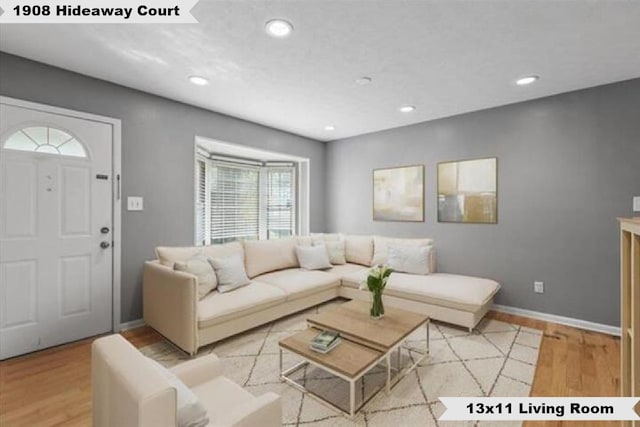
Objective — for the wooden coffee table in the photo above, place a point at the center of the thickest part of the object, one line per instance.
(366, 343)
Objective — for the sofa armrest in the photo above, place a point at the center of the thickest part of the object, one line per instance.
(169, 304)
(264, 411)
(198, 371)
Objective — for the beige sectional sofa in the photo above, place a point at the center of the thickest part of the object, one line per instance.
(280, 287)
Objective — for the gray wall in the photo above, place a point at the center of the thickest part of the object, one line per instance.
(568, 165)
(157, 156)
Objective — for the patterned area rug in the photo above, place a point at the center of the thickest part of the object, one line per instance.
(497, 359)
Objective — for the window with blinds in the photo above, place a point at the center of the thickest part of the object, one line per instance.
(280, 202)
(234, 202)
(237, 201)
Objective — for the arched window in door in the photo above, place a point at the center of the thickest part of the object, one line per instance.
(45, 139)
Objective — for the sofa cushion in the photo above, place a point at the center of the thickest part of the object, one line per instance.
(448, 290)
(223, 250)
(346, 269)
(219, 307)
(354, 278)
(168, 255)
(359, 249)
(263, 256)
(381, 247)
(298, 283)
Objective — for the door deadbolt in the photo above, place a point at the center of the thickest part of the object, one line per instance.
(104, 230)
(104, 245)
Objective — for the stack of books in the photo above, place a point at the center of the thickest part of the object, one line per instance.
(325, 341)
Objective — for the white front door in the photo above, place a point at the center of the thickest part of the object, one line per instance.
(55, 229)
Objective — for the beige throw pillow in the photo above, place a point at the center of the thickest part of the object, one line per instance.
(230, 272)
(336, 251)
(199, 266)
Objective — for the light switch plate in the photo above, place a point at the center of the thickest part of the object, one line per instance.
(636, 203)
(538, 287)
(134, 203)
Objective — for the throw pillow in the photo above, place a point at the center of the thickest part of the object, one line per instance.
(381, 246)
(407, 259)
(190, 411)
(199, 266)
(336, 252)
(230, 272)
(313, 257)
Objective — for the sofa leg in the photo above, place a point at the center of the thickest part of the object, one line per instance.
(470, 329)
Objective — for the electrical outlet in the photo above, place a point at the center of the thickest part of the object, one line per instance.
(538, 287)
(636, 203)
(134, 203)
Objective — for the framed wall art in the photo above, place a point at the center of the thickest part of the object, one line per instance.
(398, 194)
(468, 191)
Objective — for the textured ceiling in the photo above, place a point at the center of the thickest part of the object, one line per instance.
(445, 57)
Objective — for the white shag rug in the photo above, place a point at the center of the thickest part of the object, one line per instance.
(496, 359)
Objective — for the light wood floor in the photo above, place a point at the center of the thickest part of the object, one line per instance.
(52, 387)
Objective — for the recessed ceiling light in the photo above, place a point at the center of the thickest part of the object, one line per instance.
(527, 80)
(407, 108)
(278, 28)
(364, 80)
(197, 80)
(329, 127)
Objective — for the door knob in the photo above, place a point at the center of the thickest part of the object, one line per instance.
(104, 245)
(104, 230)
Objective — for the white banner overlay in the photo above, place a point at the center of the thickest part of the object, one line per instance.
(97, 12)
(539, 408)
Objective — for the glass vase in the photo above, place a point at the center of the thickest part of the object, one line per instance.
(377, 307)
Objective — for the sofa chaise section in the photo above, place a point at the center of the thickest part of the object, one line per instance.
(451, 298)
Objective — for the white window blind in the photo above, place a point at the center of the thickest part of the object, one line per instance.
(234, 202)
(240, 200)
(201, 202)
(280, 201)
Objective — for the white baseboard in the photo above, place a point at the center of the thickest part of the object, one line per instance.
(132, 324)
(569, 321)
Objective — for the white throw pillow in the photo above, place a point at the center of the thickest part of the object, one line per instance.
(230, 272)
(199, 266)
(336, 252)
(381, 246)
(190, 411)
(313, 257)
(408, 259)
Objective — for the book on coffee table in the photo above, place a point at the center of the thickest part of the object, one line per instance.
(325, 341)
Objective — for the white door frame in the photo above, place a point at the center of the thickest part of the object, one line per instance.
(116, 193)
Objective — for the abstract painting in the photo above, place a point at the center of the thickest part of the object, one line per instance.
(398, 194)
(467, 191)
